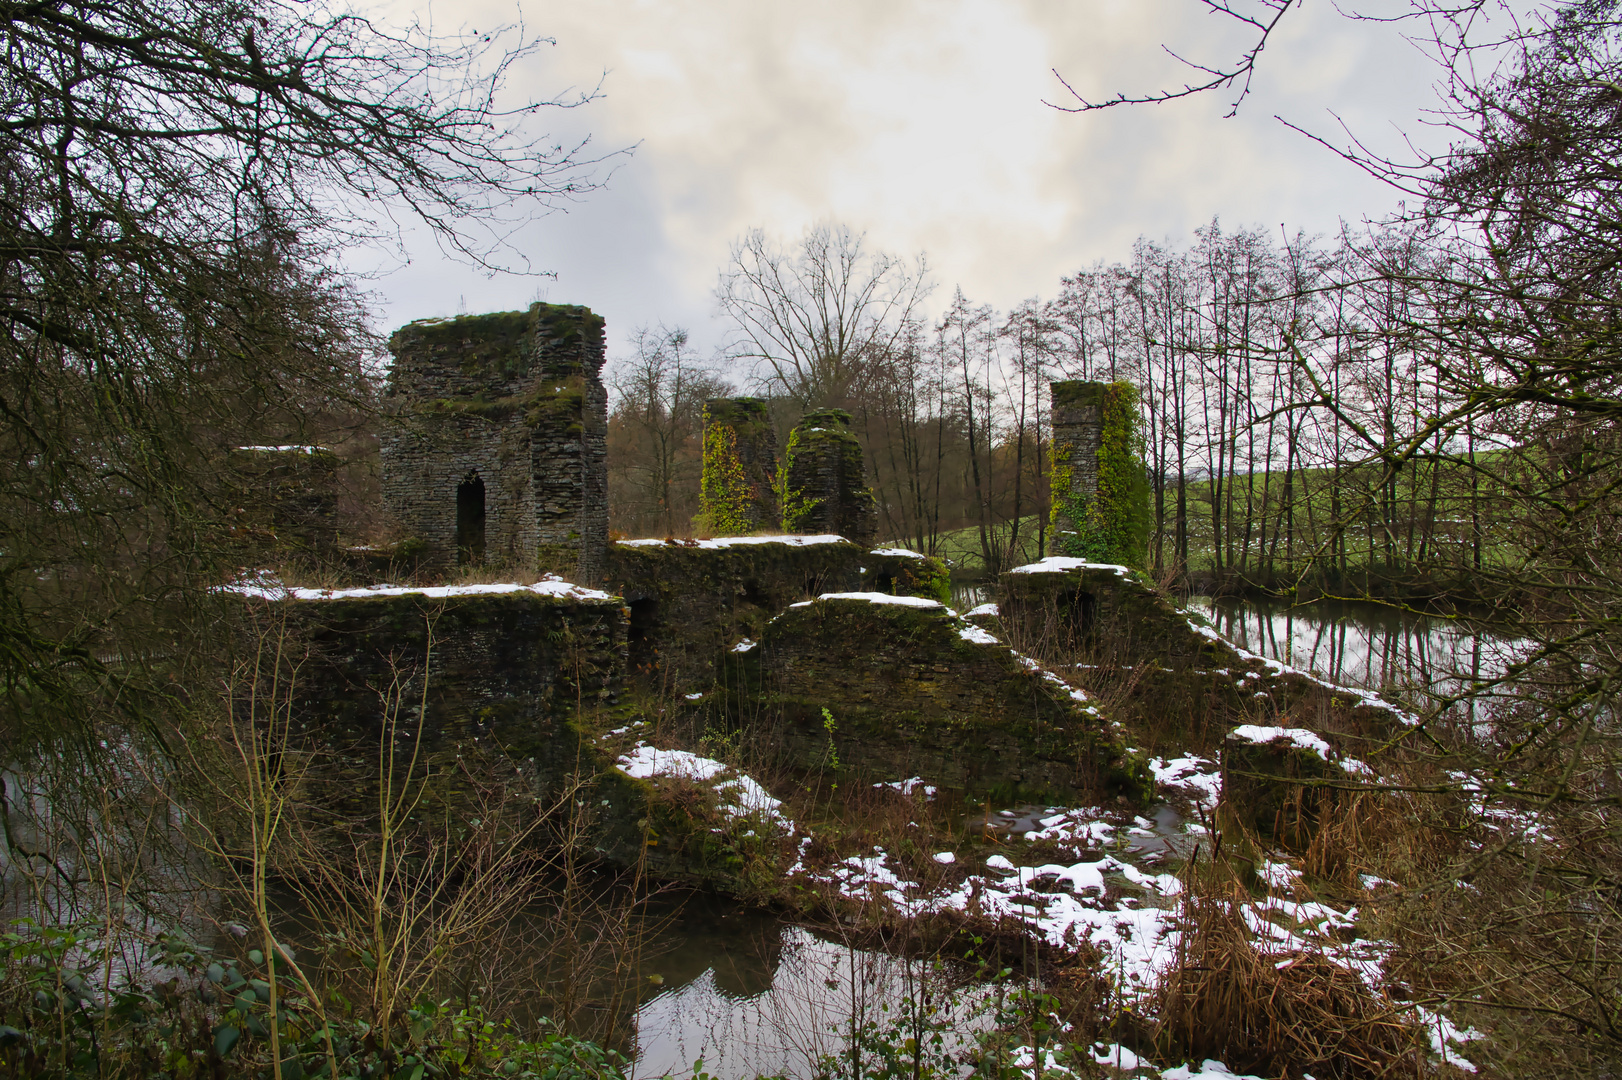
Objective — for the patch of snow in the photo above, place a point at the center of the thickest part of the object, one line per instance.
(1199, 778)
(266, 587)
(1278, 875)
(1208, 1068)
(988, 608)
(1057, 564)
(978, 636)
(645, 762)
(693, 697)
(1116, 1056)
(739, 796)
(898, 552)
(908, 786)
(945, 858)
(745, 645)
(287, 449)
(883, 598)
(1300, 738)
(720, 542)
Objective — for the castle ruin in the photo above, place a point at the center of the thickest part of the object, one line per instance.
(495, 449)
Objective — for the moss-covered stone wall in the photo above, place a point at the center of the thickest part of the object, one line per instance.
(738, 494)
(915, 690)
(824, 486)
(287, 498)
(1164, 671)
(693, 601)
(512, 400)
(507, 675)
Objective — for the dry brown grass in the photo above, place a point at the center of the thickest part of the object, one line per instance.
(1263, 1009)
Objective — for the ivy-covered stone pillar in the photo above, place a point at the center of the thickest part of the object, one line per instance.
(738, 494)
(1100, 490)
(825, 479)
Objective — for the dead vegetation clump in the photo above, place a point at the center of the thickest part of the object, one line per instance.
(1266, 1008)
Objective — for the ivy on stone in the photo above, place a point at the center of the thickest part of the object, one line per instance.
(1111, 525)
(726, 497)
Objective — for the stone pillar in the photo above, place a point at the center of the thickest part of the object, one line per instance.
(826, 490)
(740, 468)
(1078, 425)
(1099, 487)
(509, 405)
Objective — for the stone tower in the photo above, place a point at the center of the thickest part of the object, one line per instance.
(496, 446)
(827, 488)
(739, 493)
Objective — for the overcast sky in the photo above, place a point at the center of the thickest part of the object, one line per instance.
(924, 125)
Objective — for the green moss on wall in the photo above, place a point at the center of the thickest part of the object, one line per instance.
(725, 495)
(1111, 526)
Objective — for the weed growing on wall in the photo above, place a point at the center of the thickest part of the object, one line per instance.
(799, 509)
(1112, 524)
(725, 497)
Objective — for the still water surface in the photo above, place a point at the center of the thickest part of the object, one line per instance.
(752, 996)
(1371, 646)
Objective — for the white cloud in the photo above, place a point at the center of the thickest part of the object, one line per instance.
(923, 123)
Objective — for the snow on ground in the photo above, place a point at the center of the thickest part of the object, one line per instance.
(1300, 738)
(908, 786)
(1129, 914)
(877, 598)
(1198, 778)
(987, 609)
(738, 796)
(977, 636)
(733, 541)
(644, 762)
(1520, 821)
(287, 449)
(898, 552)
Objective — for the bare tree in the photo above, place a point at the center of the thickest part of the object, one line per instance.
(811, 319)
(654, 432)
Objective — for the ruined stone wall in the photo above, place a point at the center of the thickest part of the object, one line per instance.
(287, 497)
(506, 669)
(514, 399)
(915, 690)
(826, 488)
(739, 494)
(693, 601)
(1167, 672)
(1077, 418)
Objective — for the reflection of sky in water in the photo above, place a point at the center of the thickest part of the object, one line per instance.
(769, 1008)
(1364, 645)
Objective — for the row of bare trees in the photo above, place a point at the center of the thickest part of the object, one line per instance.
(1229, 339)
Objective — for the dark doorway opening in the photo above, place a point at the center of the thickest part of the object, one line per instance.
(470, 521)
(1080, 612)
(641, 644)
